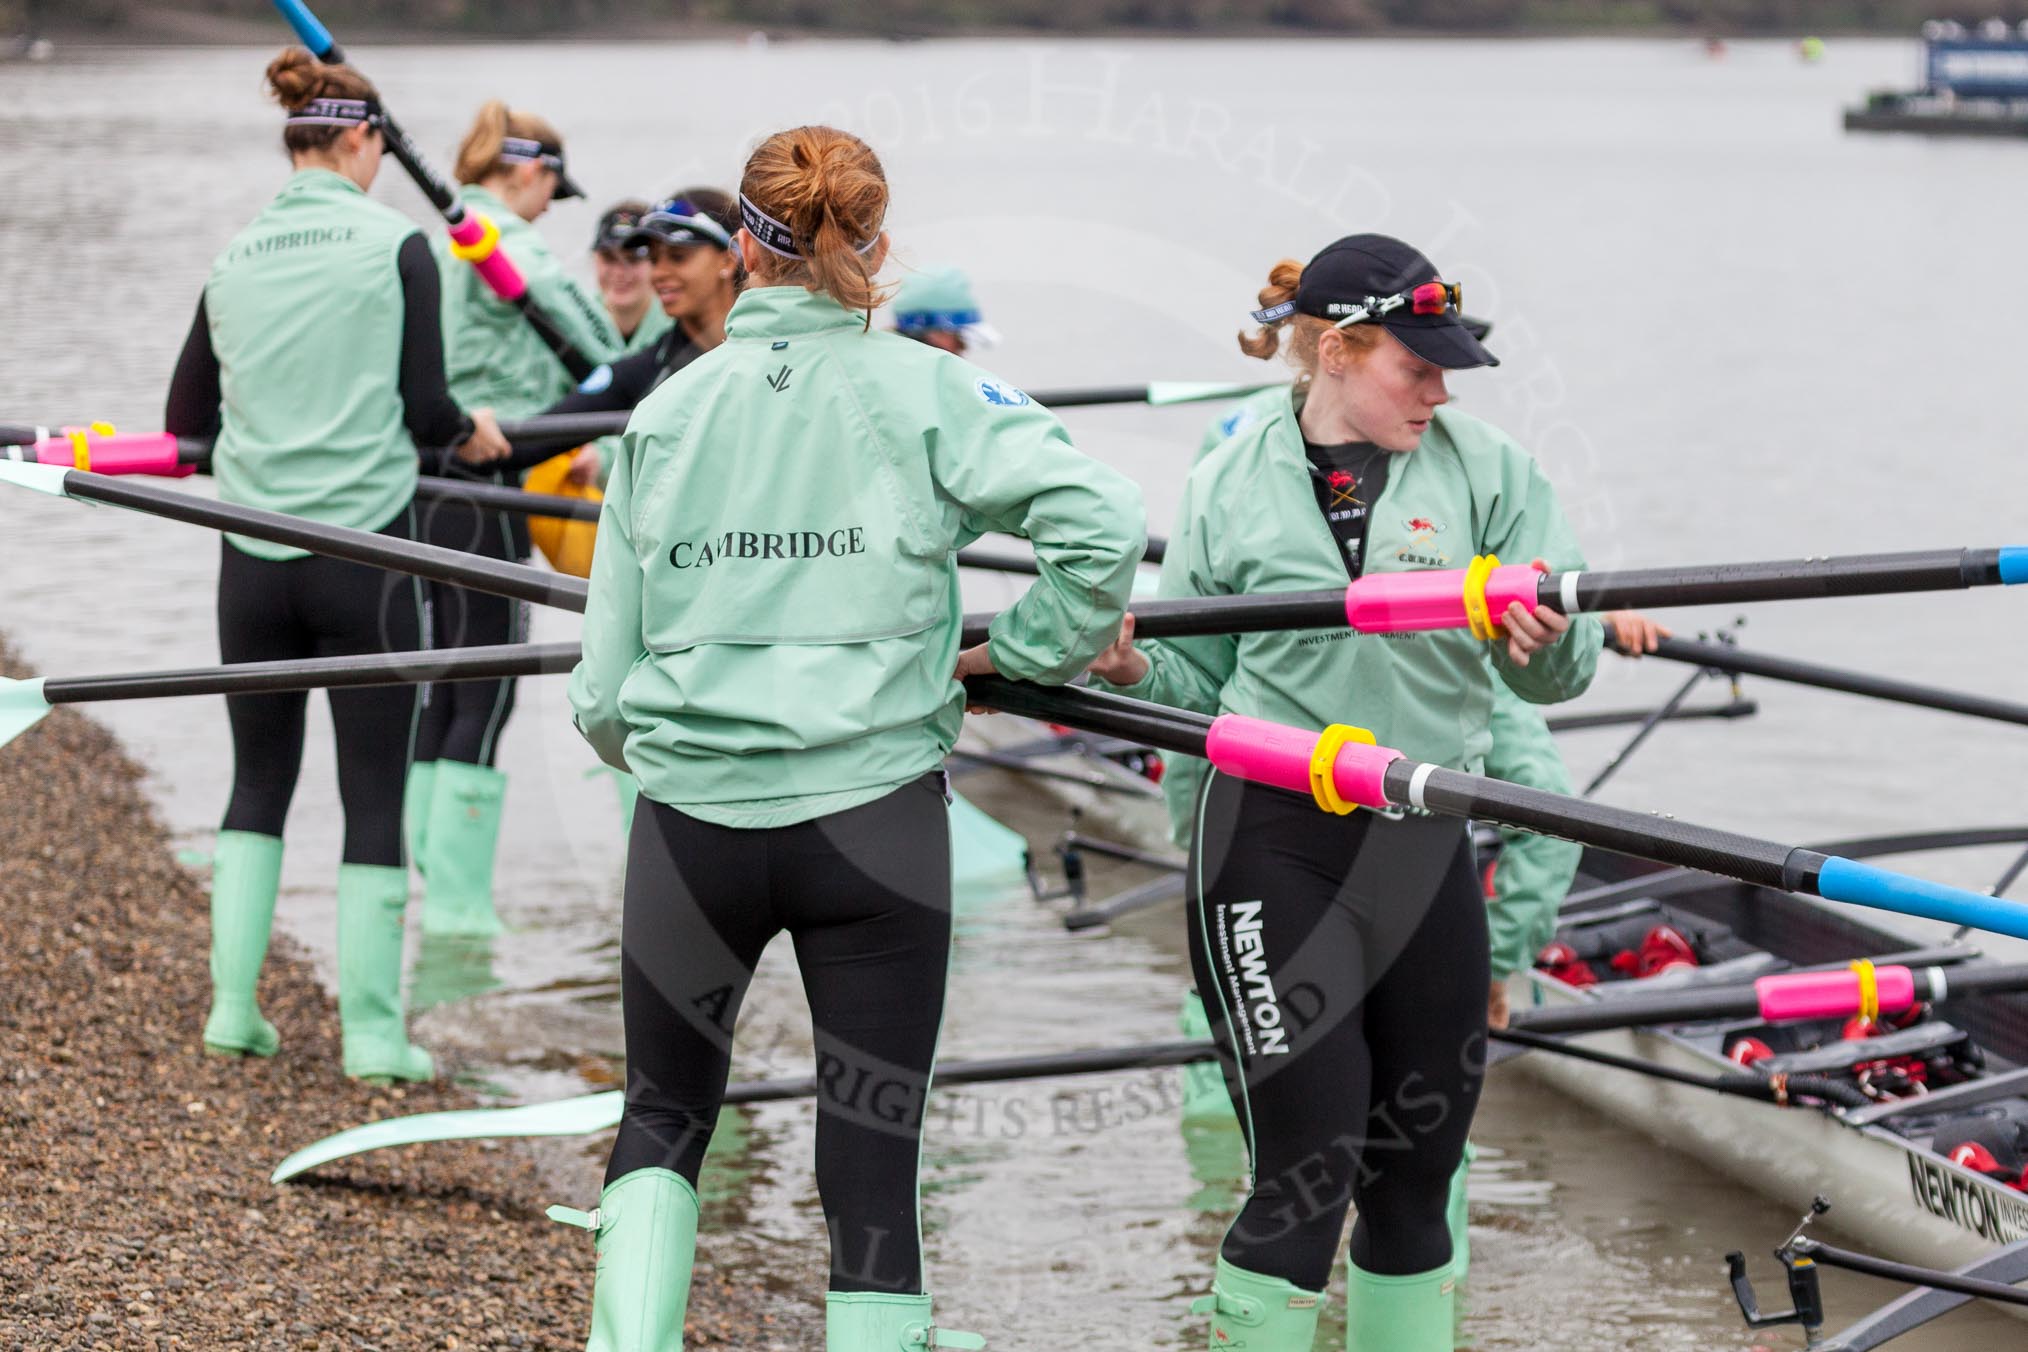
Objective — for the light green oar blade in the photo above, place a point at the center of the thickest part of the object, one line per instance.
(42, 478)
(21, 707)
(1165, 392)
(985, 855)
(566, 1117)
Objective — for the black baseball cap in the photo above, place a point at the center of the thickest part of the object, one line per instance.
(1377, 279)
(616, 228)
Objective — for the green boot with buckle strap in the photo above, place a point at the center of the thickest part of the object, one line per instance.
(877, 1321)
(1251, 1312)
(646, 1224)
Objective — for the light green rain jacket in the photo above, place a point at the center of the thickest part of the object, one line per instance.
(305, 312)
(774, 613)
(1535, 872)
(1248, 523)
(492, 356)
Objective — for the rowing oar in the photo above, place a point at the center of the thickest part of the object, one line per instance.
(572, 429)
(591, 1113)
(1341, 767)
(1725, 657)
(474, 237)
(496, 577)
(1474, 598)
(498, 497)
(1784, 997)
(588, 1114)
(23, 703)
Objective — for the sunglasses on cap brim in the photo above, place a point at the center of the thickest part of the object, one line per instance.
(1431, 298)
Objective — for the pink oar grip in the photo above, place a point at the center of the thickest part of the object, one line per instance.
(496, 269)
(121, 453)
(1508, 583)
(1396, 603)
(1830, 995)
(1277, 755)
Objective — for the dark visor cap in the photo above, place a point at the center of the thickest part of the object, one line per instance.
(1344, 276)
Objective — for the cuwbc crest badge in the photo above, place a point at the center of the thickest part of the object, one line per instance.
(1001, 396)
(1422, 545)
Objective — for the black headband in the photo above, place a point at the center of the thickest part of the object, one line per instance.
(777, 238)
(336, 113)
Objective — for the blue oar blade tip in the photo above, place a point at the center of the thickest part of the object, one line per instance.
(313, 33)
(1848, 880)
(2014, 565)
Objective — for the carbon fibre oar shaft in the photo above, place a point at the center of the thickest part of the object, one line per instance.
(496, 577)
(1742, 662)
(1348, 771)
(418, 667)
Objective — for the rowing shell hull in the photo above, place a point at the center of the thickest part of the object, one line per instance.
(1889, 1193)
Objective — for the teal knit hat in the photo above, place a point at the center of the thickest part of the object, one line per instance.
(936, 299)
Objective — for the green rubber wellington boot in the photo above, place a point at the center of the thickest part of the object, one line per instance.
(1416, 1313)
(415, 810)
(1204, 1093)
(876, 1321)
(1460, 1218)
(1255, 1313)
(246, 873)
(371, 900)
(463, 832)
(646, 1225)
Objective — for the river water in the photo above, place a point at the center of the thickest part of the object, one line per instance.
(1730, 332)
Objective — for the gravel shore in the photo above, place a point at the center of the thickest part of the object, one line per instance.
(137, 1211)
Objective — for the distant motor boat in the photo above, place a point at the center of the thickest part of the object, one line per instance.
(26, 48)
(1975, 83)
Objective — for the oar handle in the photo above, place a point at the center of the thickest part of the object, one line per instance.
(155, 453)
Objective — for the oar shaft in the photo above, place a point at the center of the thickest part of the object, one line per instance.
(533, 439)
(501, 498)
(321, 673)
(1647, 835)
(1198, 615)
(498, 497)
(494, 576)
(1725, 657)
(1357, 773)
(1777, 580)
(1004, 1069)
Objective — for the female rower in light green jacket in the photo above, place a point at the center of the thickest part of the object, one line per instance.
(316, 360)
(511, 168)
(771, 648)
(1342, 961)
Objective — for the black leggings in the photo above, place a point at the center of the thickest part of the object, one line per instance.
(866, 895)
(1342, 962)
(319, 607)
(462, 720)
